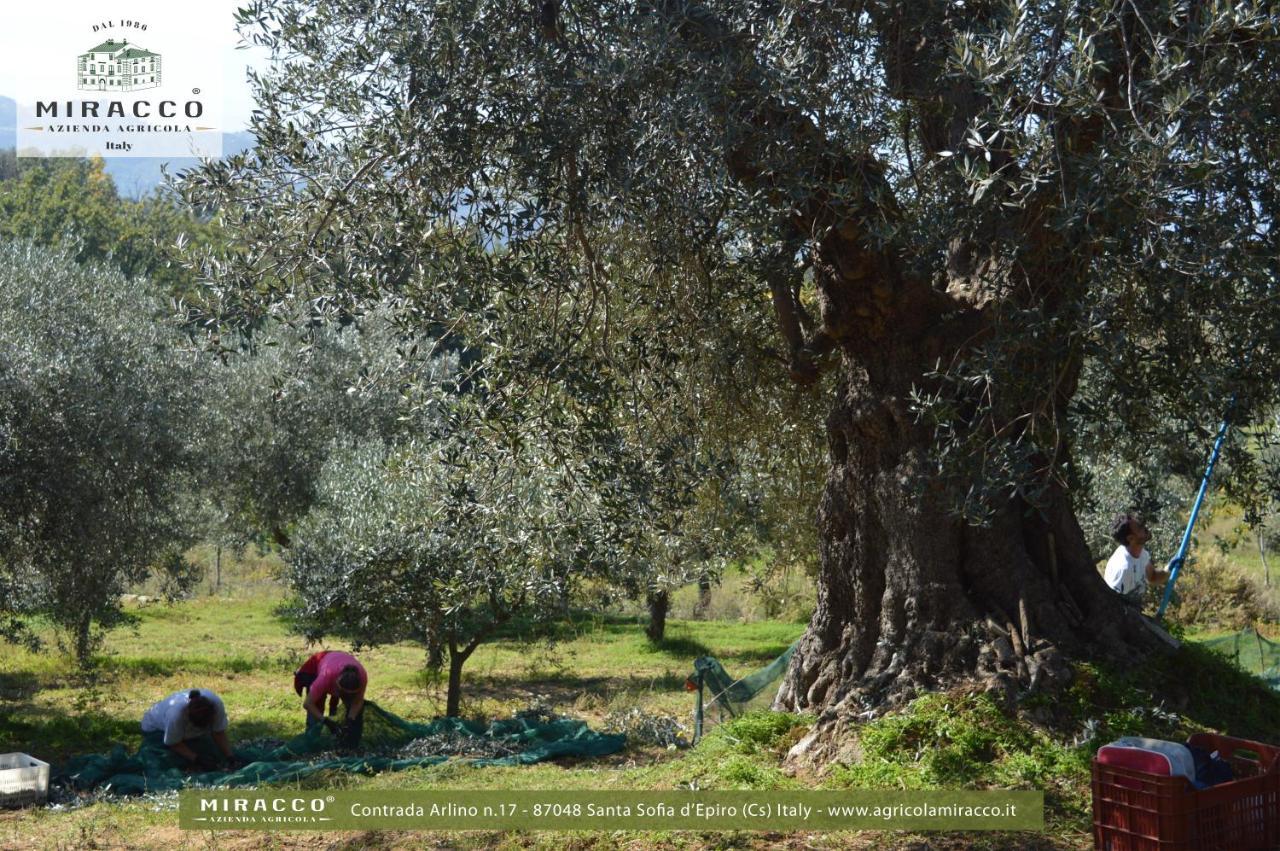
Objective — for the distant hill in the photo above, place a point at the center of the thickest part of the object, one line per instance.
(137, 176)
(133, 176)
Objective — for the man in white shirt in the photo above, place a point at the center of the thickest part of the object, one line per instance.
(1129, 570)
(184, 716)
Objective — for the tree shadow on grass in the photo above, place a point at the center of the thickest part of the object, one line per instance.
(53, 736)
(162, 666)
(243, 730)
(518, 634)
(760, 654)
(1200, 685)
(564, 689)
(18, 685)
(581, 623)
(681, 646)
(574, 626)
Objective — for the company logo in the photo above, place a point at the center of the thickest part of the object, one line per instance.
(118, 66)
(251, 809)
(263, 805)
(145, 85)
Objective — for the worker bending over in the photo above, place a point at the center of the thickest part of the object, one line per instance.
(188, 716)
(339, 677)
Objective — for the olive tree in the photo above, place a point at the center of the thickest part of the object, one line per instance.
(74, 201)
(945, 214)
(716, 460)
(441, 543)
(686, 534)
(282, 394)
(98, 393)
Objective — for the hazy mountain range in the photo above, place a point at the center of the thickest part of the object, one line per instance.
(133, 176)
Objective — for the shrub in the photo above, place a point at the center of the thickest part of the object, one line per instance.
(1212, 593)
(758, 730)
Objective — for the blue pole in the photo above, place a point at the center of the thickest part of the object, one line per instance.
(1175, 564)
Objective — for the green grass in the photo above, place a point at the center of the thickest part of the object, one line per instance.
(965, 740)
(239, 649)
(235, 644)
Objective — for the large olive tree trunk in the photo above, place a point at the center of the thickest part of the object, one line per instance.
(911, 595)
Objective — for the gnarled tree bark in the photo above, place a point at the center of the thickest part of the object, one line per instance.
(911, 596)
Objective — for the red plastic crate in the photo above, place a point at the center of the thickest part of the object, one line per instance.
(1136, 811)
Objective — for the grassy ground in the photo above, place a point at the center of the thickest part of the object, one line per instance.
(238, 648)
(234, 644)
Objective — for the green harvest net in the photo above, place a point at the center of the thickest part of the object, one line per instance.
(1251, 652)
(389, 743)
(734, 695)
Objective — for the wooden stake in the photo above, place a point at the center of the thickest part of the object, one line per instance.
(1024, 619)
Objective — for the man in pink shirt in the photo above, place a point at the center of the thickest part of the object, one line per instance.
(336, 676)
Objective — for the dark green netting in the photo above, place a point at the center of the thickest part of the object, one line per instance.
(1251, 652)
(734, 695)
(520, 741)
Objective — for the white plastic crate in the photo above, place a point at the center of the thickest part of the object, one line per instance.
(24, 780)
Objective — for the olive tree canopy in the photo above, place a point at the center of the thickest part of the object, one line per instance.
(983, 231)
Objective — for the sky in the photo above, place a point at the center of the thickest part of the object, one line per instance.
(21, 48)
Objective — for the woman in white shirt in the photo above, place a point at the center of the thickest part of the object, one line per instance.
(183, 717)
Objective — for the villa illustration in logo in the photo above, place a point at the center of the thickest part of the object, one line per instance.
(118, 67)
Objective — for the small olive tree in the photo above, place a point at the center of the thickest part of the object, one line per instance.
(97, 398)
(440, 542)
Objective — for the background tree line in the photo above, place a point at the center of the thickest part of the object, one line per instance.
(413, 494)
